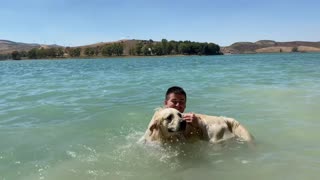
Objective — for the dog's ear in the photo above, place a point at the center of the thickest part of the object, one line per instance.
(155, 122)
(154, 126)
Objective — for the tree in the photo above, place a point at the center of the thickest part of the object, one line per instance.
(213, 49)
(195, 48)
(16, 55)
(96, 50)
(32, 54)
(67, 50)
(158, 49)
(170, 48)
(132, 51)
(75, 52)
(51, 52)
(41, 53)
(89, 51)
(183, 48)
(139, 48)
(147, 50)
(164, 44)
(294, 49)
(60, 52)
(23, 54)
(107, 50)
(117, 49)
(173, 47)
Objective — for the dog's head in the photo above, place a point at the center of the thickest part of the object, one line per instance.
(169, 121)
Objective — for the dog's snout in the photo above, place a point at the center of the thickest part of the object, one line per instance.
(183, 125)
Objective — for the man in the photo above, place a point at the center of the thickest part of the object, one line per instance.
(176, 98)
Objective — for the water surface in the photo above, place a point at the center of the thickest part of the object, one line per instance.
(81, 119)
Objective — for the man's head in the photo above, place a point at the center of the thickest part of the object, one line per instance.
(176, 98)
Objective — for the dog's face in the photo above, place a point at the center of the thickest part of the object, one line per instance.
(169, 121)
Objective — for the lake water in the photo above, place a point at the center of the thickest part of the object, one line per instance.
(81, 119)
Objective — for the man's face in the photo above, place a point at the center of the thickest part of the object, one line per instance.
(176, 101)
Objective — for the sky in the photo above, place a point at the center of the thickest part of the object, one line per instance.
(224, 22)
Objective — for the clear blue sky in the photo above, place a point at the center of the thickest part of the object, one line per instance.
(73, 23)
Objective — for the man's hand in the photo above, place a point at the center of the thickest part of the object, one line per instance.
(190, 118)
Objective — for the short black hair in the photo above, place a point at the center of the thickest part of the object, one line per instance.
(175, 90)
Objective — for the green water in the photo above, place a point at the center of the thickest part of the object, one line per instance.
(81, 119)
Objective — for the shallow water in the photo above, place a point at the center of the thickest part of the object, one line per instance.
(81, 119)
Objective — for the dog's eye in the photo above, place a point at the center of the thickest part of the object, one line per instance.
(169, 118)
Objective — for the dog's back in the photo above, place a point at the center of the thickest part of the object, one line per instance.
(216, 128)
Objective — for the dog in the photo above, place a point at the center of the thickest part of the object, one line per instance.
(167, 126)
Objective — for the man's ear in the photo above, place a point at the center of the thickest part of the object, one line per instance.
(165, 102)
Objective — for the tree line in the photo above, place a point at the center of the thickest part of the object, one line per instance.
(139, 48)
(165, 47)
(115, 49)
(38, 53)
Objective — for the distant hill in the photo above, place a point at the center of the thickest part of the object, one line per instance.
(263, 46)
(269, 46)
(6, 47)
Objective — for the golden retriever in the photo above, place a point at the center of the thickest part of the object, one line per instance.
(168, 126)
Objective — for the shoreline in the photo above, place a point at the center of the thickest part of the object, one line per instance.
(104, 57)
(178, 55)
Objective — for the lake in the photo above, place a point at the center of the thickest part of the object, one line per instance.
(82, 119)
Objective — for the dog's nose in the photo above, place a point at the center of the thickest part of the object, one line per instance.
(183, 125)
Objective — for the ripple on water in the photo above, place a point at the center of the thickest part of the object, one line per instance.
(80, 119)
